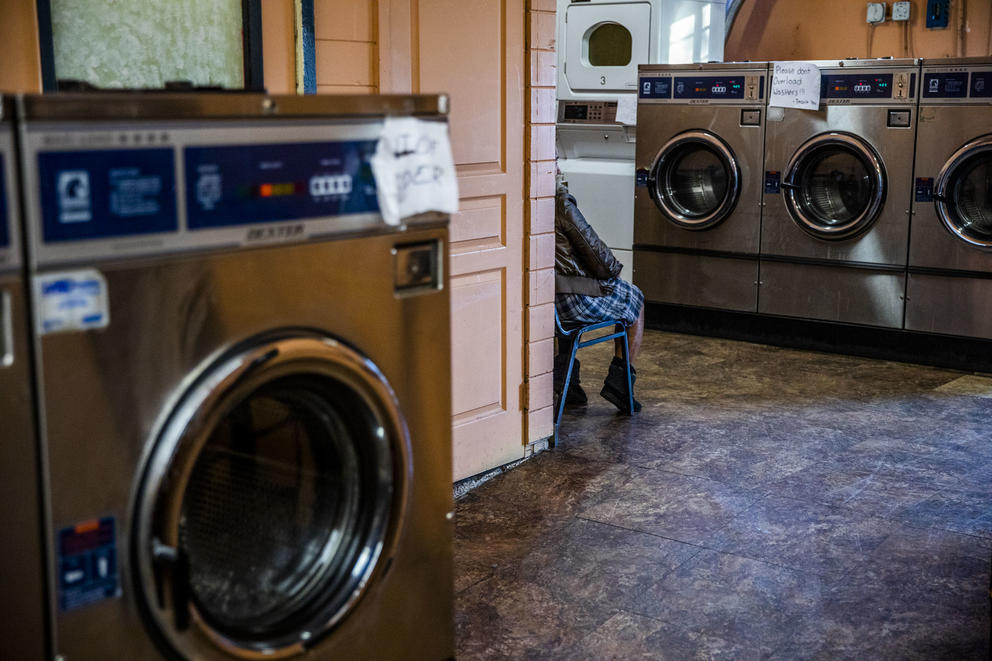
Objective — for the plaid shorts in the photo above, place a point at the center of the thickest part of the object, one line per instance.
(622, 302)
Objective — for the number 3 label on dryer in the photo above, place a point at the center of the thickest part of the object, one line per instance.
(71, 301)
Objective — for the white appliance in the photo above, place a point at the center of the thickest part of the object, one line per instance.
(600, 44)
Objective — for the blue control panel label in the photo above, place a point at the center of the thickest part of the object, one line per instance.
(948, 85)
(655, 88)
(240, 185)
(924, 189)
(773, 182)
(88, 567)
(4, 229)
(856, 86)
(709, 87)
(100, 194)
(981, 85)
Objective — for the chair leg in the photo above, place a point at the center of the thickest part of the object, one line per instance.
(630, 381)
(564, 388)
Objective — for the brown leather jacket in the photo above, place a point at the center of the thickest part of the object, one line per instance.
(581, 257)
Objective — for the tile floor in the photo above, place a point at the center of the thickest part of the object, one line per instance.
(767, 503)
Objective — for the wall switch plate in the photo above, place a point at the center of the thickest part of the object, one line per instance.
(900, 10)
(938, 13)
(876, 12)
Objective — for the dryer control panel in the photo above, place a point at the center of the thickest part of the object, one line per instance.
(587, 112)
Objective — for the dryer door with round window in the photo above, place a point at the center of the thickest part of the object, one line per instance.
(604, 44)
(834, 186)
(695, 180)
(272, 497)
(963, 193)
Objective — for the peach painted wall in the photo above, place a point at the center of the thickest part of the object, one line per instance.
(346, 32)
(21, 68)
(811, 30)
(279, 46)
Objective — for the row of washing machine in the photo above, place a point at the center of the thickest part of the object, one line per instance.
(224, 386)
(875, 209)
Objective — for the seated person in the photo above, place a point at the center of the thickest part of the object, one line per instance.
(588, 290)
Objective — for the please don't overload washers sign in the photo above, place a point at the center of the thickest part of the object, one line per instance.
(414, 169)
(795, 85)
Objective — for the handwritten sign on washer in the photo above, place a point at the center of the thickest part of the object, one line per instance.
(414, 169)
(795, 85)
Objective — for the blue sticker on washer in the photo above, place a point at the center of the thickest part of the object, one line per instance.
(88, 564)
(71, 301)
(773, 181)
(924, 189)
(641, 178)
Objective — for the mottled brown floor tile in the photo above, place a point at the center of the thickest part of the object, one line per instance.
(680, 507)
(734, 598)
(629, 636)
(508, 619)
(601, 565)
(804, 536)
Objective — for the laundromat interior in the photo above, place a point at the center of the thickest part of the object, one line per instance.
(290, 367)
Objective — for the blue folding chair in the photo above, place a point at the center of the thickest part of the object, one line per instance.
(575, 335)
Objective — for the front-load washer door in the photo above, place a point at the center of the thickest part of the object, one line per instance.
(604, 44)
(963, 194)
(272, 496)
(695, 180)
(835, 186)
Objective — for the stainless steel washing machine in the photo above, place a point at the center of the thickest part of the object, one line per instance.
(697, 202)
(950, 256)
(837, 193)
(22, 627)
(244, 380)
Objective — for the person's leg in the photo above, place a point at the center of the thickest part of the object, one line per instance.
(635, 333)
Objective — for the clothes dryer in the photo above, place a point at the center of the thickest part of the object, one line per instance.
(244, 380)
(837, 191)
(697, 208)
(950, 256)
(22, 627)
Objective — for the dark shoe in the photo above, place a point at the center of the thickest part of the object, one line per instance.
(615, 386)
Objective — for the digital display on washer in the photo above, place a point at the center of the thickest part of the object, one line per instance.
(575, 111)
(709, 87)
(238, 185)
(107, 193)
(4, 231)
(656, 88)
(949, 85)
(981, 85)
(856, 86)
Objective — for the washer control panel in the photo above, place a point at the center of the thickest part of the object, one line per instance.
(957, 85)
(867, 87)
(10, 253)
(733, 88)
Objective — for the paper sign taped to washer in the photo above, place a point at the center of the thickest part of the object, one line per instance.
(413, 168)
(795, 85)
(71, 301)
(627, 109)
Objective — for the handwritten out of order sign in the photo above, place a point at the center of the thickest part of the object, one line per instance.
(795, 85)
(413, 169)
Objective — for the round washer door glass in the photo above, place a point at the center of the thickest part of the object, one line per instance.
(695, 180)
(270, 497)
(964, 193)
(835, 186)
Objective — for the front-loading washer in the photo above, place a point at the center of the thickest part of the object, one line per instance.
(837, 191)
(950, 255)
(22, 627)
(697, 208)
(243, 377)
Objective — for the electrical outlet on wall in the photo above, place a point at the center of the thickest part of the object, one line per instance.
(876, 12)
(900, 10)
